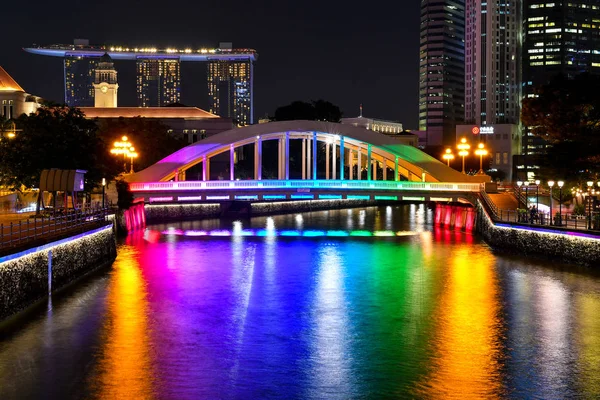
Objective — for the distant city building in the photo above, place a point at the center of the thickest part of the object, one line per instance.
(13, 100)
(105, 83)
(79, 80)
(230, 85)
(191, 123)
(158, 82)
(493, 62)
(501, 140)
(388, 128)
(230, 75)
(442, 69)
(559, 38)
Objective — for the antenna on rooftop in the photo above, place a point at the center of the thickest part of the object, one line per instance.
(360, 113)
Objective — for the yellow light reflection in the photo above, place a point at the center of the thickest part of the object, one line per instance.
(588, 307)
(125, 363)
(466, 349)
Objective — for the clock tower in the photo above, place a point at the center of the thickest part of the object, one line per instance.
(105, 83)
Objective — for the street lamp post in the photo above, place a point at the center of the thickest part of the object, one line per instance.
(526, 184)
(560, 186)
(481, 151)
(551, 184)
(103, 191)
(590, 184)
(448, 156)
(537, 194)
(519, 184)
(463, 148)
(132, 154)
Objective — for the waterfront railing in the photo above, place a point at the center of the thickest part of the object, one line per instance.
(565, 220)
(44, 227)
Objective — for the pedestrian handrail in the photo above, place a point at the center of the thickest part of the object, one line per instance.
(44, 227)
(490, 203)
(565, 220)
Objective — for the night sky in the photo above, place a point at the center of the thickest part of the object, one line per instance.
(345, 52)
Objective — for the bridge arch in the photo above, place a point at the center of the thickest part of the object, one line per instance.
(346, 146)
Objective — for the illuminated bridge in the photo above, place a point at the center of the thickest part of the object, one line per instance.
(333, 162)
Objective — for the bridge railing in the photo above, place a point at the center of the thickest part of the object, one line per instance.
(307, 184)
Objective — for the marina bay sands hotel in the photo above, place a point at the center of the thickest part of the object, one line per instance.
(230, 75)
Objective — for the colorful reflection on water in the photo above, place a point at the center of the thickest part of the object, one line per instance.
(430, 313)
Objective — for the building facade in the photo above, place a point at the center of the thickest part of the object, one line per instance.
(561, 37)
(389, 128)
(105, 83)
(79, 80)
(13, 100)
(230, 90)
(493, 62)
(441, 69)
(503, 142)
(158, 82)
(190, 123)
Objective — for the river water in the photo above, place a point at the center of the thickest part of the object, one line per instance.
(362, 303)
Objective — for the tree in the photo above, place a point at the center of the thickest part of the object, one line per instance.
(54, 137)
(566, 113)
(316, 110)
(151, 138)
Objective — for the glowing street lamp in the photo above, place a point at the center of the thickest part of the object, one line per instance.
(537, 194)
(481, 151)
(551, 185)
(526, 184)
(590, 184)
(448, 156)
(519, 184)
(463, 148)
(560, 186)
(132, 154)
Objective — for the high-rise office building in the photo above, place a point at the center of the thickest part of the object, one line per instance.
(158, 82)
(559, 38)
(79, 79)
(230, 90)
(441, 70)
(493, 62)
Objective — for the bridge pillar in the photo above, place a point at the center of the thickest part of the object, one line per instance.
(359, 153)
(369, 163)
(333, 160)
(308, 157)
(384, 169)
(314, 156)
(303, 159)
(205, 169)
(396, 177)
(350, 163)
(342, 161)
(279, 159)
(231, 163)
(327, 160)
(286, 158)
(258, 159)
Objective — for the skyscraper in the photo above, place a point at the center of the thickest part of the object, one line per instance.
(560, 38)
(230, 90)
(493, 62)
(441, 70)
(158, 82)
(79, 77)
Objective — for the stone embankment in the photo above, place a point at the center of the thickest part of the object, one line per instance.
(30, 275)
